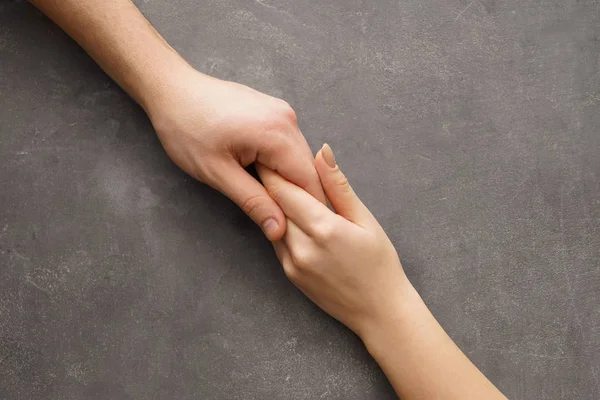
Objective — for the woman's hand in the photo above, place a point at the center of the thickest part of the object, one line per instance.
(343, 260)
(346, 264)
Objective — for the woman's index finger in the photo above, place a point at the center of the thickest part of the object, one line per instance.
(297, 204)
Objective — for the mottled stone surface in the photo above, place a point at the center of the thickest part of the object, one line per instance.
(471, 129)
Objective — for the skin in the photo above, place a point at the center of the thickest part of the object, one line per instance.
(345, 263)
(342, 260)
(210, 128)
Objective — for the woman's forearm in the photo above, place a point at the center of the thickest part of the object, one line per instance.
(121, 40)
(420, 359)
(347, 265)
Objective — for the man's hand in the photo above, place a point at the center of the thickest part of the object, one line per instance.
(212, 129)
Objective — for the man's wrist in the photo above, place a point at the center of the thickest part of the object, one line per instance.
(155, 86)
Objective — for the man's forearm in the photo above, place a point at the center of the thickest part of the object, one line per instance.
(210, 128)
(121, 40)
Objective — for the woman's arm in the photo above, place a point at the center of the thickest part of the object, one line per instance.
(346, 264)
(420, 359)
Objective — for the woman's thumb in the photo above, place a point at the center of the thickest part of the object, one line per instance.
(337, 189)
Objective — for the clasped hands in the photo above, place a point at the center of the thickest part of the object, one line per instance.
(341, 259)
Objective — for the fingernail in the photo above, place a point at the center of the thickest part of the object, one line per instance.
(328, 155)
(270, 226)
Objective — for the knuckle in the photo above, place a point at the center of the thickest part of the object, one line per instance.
(325, 231)
(282, 117)
(291, 272)
(303, 258)
(289, 113)
(251, 204)
(273, 191)
(342, 183)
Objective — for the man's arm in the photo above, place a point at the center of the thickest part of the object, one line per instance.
(210, 128)
(121, 40)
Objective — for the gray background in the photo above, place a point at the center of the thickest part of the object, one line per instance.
(471, 129)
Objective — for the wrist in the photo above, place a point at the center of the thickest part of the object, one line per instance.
(158, 87)
(408, 317)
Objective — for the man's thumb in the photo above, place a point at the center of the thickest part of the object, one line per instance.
(237, 184)
(337, 189)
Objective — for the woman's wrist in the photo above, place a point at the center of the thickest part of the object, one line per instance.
(406, 317)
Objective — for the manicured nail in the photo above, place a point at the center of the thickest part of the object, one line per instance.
(270, 226)
(328, 155)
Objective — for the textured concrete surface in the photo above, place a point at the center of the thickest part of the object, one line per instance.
(471, 129)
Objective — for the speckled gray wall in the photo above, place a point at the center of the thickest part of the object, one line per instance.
(470, 128)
